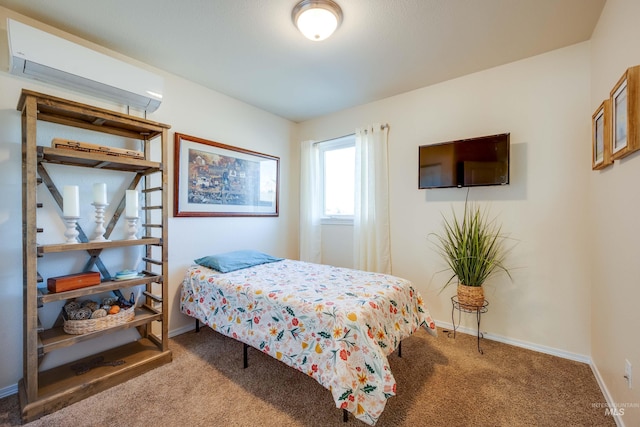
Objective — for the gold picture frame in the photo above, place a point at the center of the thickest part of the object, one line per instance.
(625, 113)
(601, 136)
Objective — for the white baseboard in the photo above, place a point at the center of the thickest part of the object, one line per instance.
(8, 391)
(186, 328)
(607, 395)
(518, 343)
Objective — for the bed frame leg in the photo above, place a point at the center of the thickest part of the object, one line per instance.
(197, 325)
(345, 416)
(245, 360)
(400, 349)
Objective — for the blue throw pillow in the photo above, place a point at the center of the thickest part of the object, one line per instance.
(231, 261)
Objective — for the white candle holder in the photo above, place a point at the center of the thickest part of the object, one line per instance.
(71, 232)
(98, 234)
(132, 227)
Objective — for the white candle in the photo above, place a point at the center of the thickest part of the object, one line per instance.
(131, 210)
(100, 193)
(70, 201)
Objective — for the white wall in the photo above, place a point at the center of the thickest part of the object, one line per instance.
(544, 103)
(189, 109)
(614, 204)
(337, 245)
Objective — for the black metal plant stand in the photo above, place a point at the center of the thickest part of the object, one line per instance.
(455, 305)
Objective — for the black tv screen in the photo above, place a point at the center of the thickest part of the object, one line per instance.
(465, 163)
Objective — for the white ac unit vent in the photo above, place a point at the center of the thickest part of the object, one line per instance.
(42, 56)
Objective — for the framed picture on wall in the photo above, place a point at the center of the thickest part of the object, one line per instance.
(601, 136)
(214, 179)
(624, 105)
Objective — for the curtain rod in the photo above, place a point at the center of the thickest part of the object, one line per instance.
(382, 127)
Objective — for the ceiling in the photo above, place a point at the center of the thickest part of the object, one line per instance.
(250, 50)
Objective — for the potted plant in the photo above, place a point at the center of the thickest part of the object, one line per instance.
(474, 248)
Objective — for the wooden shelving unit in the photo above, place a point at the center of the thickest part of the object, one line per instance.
(43, 392)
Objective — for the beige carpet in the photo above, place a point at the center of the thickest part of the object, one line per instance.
(441, 382)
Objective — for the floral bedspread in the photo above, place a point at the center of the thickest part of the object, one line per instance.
(337, 325)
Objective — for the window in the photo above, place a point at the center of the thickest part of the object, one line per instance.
(337, 169)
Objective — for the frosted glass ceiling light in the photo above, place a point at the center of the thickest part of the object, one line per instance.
(317, 19)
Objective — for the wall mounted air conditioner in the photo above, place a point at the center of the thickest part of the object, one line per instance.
(42, 56)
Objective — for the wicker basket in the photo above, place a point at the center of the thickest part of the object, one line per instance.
(79, 327)
(470, 296)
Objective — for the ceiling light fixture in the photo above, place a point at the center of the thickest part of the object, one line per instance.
(316, 19)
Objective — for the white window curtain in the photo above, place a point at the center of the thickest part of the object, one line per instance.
(371, 232)
(310, 231)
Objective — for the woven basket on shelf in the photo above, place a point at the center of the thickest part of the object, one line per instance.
(79, 327)
(470, 296)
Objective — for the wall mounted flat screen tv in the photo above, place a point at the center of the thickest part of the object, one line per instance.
(465, 163)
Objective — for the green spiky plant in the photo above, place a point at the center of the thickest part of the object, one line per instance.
(473, 247)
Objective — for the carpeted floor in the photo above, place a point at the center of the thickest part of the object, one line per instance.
(440, 382)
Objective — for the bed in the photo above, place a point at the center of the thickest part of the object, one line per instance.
(334, 324)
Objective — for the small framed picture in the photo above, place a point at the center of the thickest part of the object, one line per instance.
(601, 136)
(624, 105)
(214, 179)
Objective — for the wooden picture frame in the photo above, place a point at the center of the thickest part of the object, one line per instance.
(601, 136)
(214, 179)
(625, 113)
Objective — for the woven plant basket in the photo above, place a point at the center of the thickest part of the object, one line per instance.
(470, 296)
(79, 327)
